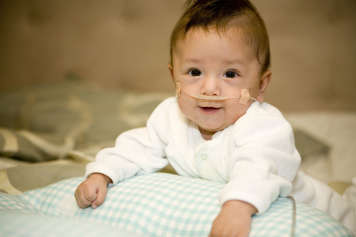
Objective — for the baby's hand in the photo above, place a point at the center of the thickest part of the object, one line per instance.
(234, 220)
(92, 191)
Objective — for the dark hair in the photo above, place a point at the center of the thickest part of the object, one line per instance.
(223, 14)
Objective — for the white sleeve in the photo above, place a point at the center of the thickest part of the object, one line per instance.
(265, 160)
(136, 151)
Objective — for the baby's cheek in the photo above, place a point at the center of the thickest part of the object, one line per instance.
(186, 106)
(237, 111)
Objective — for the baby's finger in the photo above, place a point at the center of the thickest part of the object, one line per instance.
(100, 197)
(89, 193)
(81, 200)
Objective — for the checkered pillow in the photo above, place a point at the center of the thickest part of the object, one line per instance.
(162, 204)
(18, 224)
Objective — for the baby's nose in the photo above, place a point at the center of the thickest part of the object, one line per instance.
(210, 86)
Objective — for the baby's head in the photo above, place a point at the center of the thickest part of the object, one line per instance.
(218, 48)
(221, 15)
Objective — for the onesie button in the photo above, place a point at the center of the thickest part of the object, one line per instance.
(203, 156)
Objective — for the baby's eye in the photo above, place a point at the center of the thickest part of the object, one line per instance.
(194, 72)
(231, 74)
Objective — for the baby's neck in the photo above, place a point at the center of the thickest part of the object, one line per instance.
(207, 135)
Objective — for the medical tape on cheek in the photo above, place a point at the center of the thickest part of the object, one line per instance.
(245, 96)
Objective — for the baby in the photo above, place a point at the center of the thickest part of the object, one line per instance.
(218, 127)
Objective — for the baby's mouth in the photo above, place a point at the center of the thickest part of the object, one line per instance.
(210, 108)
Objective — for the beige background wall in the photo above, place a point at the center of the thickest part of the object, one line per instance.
(124, 43)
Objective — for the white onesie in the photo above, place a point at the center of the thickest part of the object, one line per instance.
(256, 158)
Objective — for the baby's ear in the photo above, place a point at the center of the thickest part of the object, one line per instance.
(176, 83)
(265, 80)
(170, 68)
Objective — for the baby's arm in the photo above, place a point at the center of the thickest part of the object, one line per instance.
(92, 191)
(234, 219)
(130, 156)
(136, 151)
(261, 169)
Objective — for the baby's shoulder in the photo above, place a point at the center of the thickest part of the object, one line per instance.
(260, 120)
(167, 107)
(264, 109)
(167, 115)
(262, 115)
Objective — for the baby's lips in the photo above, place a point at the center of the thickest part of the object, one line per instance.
(211, 105)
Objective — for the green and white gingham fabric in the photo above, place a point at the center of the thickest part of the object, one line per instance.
(17, 224)
(162, 204)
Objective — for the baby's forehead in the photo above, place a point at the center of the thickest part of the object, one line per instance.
(234, 32)
(238, 32)
(197, 34)
(221, 46)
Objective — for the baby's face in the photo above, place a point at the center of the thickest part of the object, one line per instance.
(214, 64)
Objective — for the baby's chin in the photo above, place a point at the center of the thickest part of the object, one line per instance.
(209, 131)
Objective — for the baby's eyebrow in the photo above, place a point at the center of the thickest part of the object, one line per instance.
(192, 60)
(233, 62)
(236, 61)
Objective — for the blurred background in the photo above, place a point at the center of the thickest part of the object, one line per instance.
(124, 44)
(75, 74)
